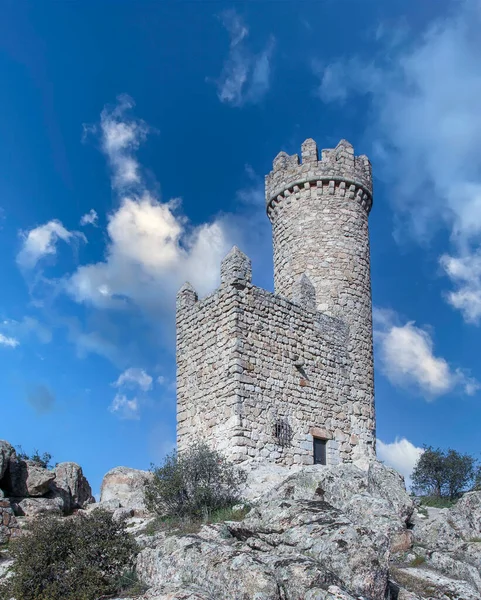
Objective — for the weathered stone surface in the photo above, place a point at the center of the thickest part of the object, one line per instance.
(25, 478)
(448, 541)
(323, 532)
(38, 479)
(433, 586)
(31, 507)
(15, 480)
(8, 523)
(71, 487)
(258, 373)
(125, 486)
(6, 451)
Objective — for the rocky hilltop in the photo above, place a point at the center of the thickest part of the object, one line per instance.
(316, 533)
(325, 533)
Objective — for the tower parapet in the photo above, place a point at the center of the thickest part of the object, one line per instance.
(337, 168)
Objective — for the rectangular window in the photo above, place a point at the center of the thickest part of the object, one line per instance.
(320, 454)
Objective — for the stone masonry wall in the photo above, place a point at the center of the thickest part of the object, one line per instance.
(253, 365)
(206, 399)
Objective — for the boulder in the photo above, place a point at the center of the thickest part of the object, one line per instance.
(6, 451)
(38, 479)
(32, 507)
(71, 486)
(25, 478)
(126, 486)
(15, 479)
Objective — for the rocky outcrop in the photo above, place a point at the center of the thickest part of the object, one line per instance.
(71, 487)
(446, 555)
(123, 487)
(323, 532)
(31, 489)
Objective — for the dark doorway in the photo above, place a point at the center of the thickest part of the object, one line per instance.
(320, 454)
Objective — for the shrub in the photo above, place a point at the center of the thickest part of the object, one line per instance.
(74, 558)
(437, 502)
(194, 484)
(417, 562)
(42, 460)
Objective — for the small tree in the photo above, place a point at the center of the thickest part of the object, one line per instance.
(73, 558)
(443, 474)
(460, 472)
(194, 483)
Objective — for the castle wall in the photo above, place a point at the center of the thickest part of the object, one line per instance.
(259, 361)
(206, 407)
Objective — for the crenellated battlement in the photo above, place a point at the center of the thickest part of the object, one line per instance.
(337, 172)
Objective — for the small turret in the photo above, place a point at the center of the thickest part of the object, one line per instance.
(236, 269)
(186, 296)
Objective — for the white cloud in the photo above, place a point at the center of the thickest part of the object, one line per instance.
(135, 377)
(42, 241)
(245, 77)
(401, 454)
(10, 342)
(125, 408)
(426, 132)
(152, 248)
(89, 218)
(26, 327)
(465, 273)
(407, 358)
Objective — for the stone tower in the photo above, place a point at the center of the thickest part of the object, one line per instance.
(288, 377)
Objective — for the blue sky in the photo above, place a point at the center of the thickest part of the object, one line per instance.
(134, 142)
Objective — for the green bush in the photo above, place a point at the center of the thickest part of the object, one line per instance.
(194, 484)
(43, 460)
(74, 558)
(437, 502)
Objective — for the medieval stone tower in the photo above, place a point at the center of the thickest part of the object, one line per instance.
(288, 377)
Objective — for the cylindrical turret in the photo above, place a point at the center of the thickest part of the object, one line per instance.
(319, 213)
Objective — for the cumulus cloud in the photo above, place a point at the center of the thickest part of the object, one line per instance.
(407, 358)
(465, 273)
(125, 408)
(89, 218)
(10, 342)
(401, 454)
(42, 241)
(426, 131)
(152, 248)
(134, 377)
(245, 76)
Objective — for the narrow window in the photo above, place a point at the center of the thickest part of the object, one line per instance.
(320, 447)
